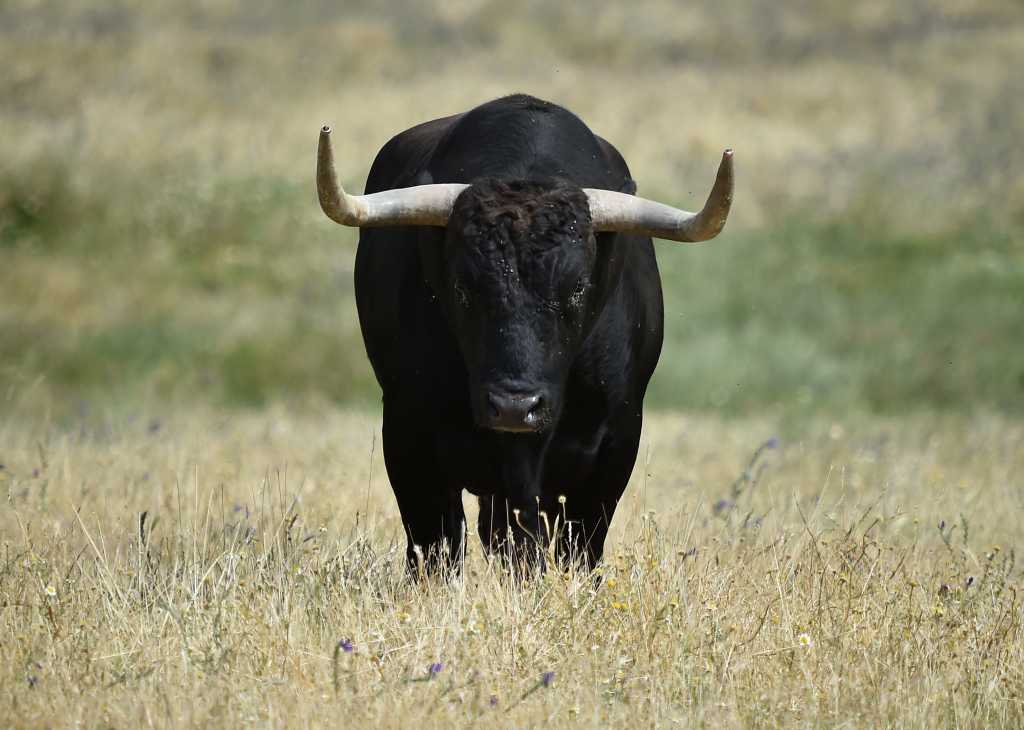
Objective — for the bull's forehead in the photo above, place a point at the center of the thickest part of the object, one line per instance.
(525, 233)
(529, 230)
(520, 234)
(530, 251)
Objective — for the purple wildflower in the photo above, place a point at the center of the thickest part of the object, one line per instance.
(346, 645)
(493, 701)
(772, 443)
(547, 678)
(436, 668)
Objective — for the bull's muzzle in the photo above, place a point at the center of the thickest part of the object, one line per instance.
(514, 412)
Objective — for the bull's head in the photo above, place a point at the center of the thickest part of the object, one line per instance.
(519, 271)
(518, 266)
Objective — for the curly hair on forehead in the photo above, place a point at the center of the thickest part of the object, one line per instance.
(542, 213)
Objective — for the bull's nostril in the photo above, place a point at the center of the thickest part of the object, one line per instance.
(511, 411)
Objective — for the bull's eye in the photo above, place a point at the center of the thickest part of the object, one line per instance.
(461, 294)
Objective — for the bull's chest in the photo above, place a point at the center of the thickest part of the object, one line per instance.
(485, 463)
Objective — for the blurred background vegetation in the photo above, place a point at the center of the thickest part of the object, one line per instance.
(160, 240)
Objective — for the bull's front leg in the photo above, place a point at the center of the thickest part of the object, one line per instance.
(591, 485)
(430, 506)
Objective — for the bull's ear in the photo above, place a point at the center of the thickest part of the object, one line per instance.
(424, 178)
(628, 186)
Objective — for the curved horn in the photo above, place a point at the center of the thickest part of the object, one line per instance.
(612, 211)
(423, 205)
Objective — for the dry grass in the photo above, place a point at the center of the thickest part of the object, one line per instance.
(859, 572)
(825, 102)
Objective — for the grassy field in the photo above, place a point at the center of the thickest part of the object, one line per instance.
(822, 525)
(859, 573)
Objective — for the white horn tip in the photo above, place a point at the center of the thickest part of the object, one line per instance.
(326, 129)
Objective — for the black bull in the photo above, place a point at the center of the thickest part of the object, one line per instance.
(513, 337)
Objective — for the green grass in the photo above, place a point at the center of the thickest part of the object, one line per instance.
(229, 293)
(238, 293)
(834, 314)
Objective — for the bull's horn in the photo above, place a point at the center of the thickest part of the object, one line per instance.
(612, 211)
(423, 205)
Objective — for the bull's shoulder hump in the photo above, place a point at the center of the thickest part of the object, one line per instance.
(404, 156)
(617, 165)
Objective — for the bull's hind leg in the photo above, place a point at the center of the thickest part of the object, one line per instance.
(584, 537)
(518, 539)
(501, 530)
(491, 522)
(431, 510)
